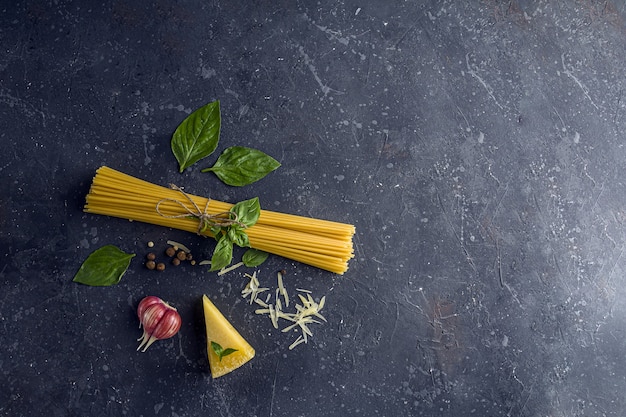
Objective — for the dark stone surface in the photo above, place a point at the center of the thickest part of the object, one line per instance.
(478, 147)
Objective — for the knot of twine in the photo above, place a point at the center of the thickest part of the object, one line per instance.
(206, 220)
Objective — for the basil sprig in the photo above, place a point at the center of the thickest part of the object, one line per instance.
(197, 136)
(220, 351)
(104, 267)
(239, 166)
(244, 214)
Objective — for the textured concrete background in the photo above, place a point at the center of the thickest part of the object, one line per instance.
(478, 147)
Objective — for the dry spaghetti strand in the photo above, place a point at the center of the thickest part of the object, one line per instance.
(321, 243)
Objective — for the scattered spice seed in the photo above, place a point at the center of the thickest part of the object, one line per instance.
(151, 256)
(150, 264)
(160, 266)
(189, 257)
(181, 255)
(175, 261)
(170, 251)
(151, 244)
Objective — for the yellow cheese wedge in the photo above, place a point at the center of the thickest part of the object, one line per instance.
(219, 330)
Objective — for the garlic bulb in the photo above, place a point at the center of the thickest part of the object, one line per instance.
(159, 321)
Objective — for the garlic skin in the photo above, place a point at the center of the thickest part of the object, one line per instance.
(159, 320)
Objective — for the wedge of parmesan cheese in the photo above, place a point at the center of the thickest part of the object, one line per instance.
(220, 331)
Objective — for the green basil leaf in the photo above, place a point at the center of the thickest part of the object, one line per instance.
(239, 166)
(220, 351)
(216, 231)
(217, 348)
(247, 211)
(254, 257)
(222, 255)
(227, 352)
(104, 267)
(197, 136)
(238, 236)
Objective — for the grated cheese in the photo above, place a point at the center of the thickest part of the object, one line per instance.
(299, 340)
(230, 268)
(282, 290)
(261, 303)
(307, 312)
(252, 289)
(178, 246)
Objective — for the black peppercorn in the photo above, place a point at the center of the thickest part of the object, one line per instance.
(175, 261)
(151, 256)
(170, 251)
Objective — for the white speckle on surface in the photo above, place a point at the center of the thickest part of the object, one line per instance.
(390, 165)
(505, 341)
(481, 137)
(339, 177)
(207, 72)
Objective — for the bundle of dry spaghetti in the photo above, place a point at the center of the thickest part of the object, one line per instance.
(320, 243)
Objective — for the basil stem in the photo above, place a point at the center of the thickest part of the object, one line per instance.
(104, 267)
(197, 136)
(239, 166)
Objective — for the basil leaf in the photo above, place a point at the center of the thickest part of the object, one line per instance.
(197, 136)
(247, 211)
(104, 267)
(239, 166)
(254, 257)
(222, 255)
(238, 236)
(220, 351)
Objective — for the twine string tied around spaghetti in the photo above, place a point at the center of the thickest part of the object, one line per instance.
(205, 219)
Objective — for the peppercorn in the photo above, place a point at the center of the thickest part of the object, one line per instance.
(151, 256)
(150, 264)
(189, 257)
(283, 272)
(160, 266)
(170, 251)
(175, 261)
(181, 255)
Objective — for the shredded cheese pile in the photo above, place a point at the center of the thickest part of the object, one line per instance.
(305, 314)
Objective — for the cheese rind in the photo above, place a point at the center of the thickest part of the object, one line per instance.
(219, 330)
